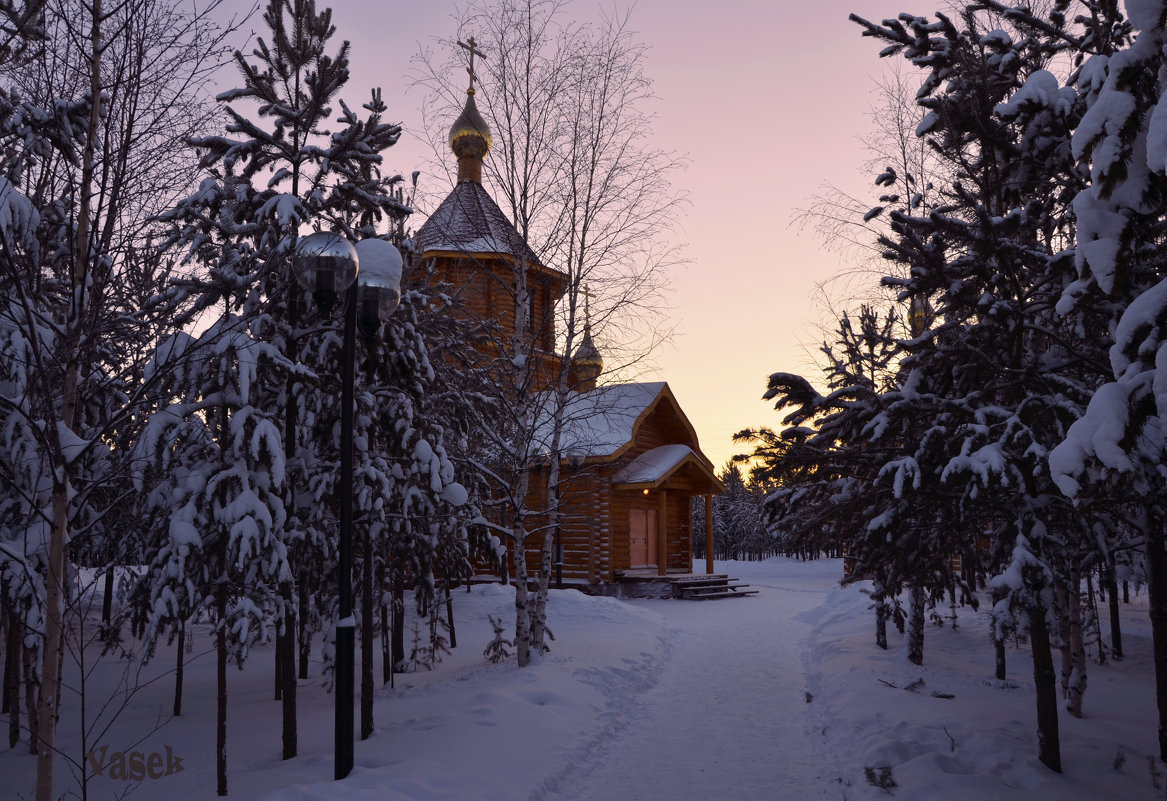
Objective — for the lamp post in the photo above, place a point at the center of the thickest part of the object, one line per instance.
(327, 264)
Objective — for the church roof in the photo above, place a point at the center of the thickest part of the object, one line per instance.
(470, 222)
(602, 422)
(599, 422)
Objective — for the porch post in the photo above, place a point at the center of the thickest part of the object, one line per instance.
(709, 534)
(662, 534)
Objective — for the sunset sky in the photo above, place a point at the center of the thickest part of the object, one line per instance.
(768, 101)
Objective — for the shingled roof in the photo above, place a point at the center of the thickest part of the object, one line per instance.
(470, 222)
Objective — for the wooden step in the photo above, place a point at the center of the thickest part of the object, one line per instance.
(711, 587)
(698, 578)
(696, 585)
(725, 594)
(715, 588)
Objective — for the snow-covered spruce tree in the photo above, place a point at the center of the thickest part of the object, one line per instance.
(223, 455)
(409, 518)
(83, 295)
(434, 395)
(822, 464)
(991, 378)
(998, 376)
(1115, 453)
(277, 168)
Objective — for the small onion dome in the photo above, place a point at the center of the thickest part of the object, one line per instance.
(919, 315)
(470, 140)
(586, 363)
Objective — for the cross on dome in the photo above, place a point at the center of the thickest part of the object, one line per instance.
(470, 135)
(471, 46)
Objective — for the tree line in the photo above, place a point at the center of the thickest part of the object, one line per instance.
(739, 519)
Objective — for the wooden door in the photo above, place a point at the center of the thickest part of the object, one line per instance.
(642, 537)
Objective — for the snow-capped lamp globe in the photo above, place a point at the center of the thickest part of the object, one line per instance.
(378, 283)
(326, 264)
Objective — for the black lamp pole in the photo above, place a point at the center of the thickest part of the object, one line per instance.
(326, 264)
(346, 627)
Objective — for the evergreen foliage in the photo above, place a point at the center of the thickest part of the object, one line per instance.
(245, 450)
(934, 443)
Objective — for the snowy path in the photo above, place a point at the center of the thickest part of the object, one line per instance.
(734, 684)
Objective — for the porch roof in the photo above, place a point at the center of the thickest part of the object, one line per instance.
(653, 468)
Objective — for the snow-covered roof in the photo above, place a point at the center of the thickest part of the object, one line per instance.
(601, 421)
(654, 465)
(469, 221)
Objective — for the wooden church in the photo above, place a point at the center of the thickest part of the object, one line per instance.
(631, 462)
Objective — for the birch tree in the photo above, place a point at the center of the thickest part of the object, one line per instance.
(577, 174)
(88, 104)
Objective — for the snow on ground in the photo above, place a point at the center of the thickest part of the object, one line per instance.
(981, 743)
(778, 696)
(726, 719)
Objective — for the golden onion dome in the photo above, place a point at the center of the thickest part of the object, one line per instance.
(470, 135)
(587, 354)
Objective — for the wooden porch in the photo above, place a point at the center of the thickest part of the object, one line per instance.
(648, 583)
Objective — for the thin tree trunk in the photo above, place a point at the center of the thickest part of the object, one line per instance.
(522, 595)
(547, 551)
(450, 614)
(278, 667)
(999, 651)
(286, 635)
(1094, 618)
(55, 575)
(12, 679)
(178, 669)
(386, 652)
(1077, 683)
(1157, 597)
(30, 696)
(107, 600)
(521, 489)
(221, 686)
(6, 624)
(305, 639)
(47, 710)
(288, 673)
(1045, 683)
(916, 626)
(398, 623)
(879, 597)
(366, 635)
(1063, 618)
(1112, 602)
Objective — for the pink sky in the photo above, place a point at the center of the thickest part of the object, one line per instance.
(768, 101)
